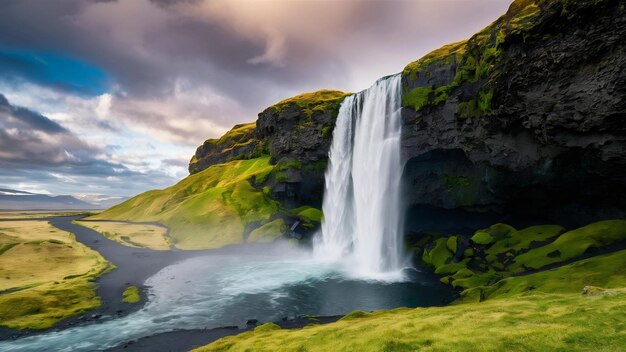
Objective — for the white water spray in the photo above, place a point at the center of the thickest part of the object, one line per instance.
(362, 208)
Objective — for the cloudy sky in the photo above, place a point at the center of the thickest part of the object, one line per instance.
(112, 97)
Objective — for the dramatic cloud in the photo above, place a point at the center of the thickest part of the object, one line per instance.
(171, 73)
(30, 138)
(39, 150)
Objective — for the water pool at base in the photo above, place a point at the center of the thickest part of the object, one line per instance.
(226, 290)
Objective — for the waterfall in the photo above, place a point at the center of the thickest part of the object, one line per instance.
(363, 216)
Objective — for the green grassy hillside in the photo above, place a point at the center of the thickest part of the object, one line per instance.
(209, 209)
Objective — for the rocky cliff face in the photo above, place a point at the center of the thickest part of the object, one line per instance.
(296, 134)
(526, 117)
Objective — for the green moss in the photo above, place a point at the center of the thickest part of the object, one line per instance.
(281, 177)
(572, 244)
(445, 55)
(439, 255)
(451, 243)
(131, 295)
(441, 94)
(606, 271)
(482, 238)
(477, 106)
(451, 268)
(511, 239)
(268, 232)
(286, 164)
(327, 132)
(309, 214)
(417, 98)
(484, 101)
(322, 100)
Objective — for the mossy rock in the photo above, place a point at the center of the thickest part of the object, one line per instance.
(451, 268)
(451, 243)
(439, 255)
(268, 232)
(482, 238)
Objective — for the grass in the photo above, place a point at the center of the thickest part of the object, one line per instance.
(209, 209)
(131, 295)
(321, 100)
(131, 235)
(45, 275)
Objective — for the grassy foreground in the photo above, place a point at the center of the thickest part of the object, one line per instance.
(554, 316)
(131, 235)
(45, 275)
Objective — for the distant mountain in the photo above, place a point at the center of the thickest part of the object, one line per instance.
(101, 200)
(11, 199)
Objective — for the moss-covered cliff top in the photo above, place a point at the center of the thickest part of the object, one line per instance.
(520, 16)
(480, 60)
(242, 133)
(237, 144)
(319, 100)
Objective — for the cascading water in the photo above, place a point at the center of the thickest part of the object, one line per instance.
(362, 207)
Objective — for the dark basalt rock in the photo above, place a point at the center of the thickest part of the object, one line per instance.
(292, 134)
(555, 135)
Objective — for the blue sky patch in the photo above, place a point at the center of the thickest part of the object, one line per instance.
(55, 70)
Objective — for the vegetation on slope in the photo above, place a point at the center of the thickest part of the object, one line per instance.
(212, 208)
(577, 306)
(475, 61)
(45, 275)
(209, 209)
(131, 235)
(237, 144)
(321, 100)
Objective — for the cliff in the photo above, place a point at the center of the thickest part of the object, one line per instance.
(528, 115)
